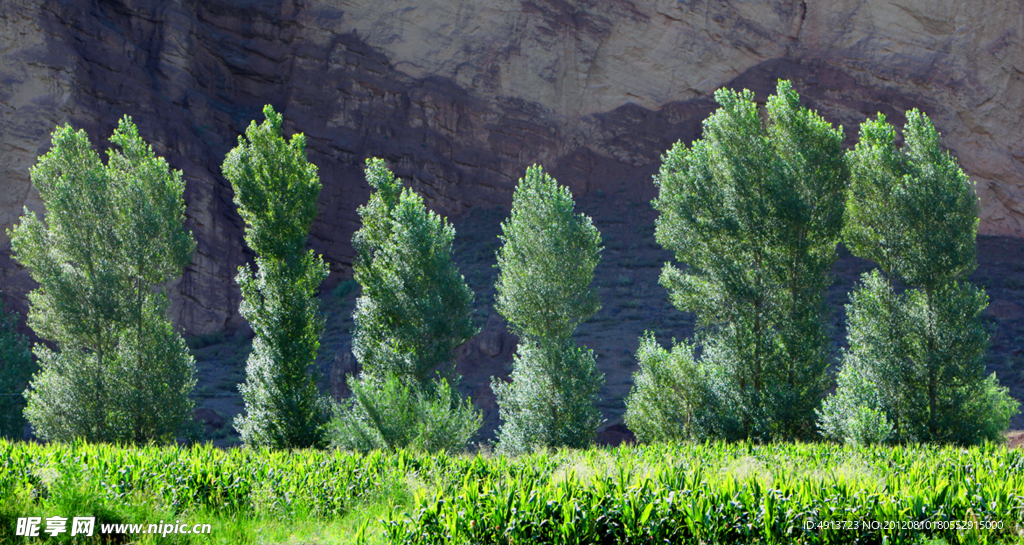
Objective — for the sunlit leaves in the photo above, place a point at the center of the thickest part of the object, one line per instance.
(415, 306)
(547, 260)
(112, 234)
(546, 265)
(911, 209)
(754, 210)
(414, 310)
(916, 356)
(394, 414)
(276, 190)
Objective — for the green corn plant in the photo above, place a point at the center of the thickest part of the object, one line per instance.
(661, 493)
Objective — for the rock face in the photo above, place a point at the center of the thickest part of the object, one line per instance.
(459, 96)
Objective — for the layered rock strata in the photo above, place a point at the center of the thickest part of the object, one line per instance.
(460, 96)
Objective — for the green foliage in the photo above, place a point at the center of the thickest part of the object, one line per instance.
(547, 261)
(343, 289)
(112, 233)
(666, 493)
(755, 211)
(394, 415)
(276, 190)
(671, 400)
(415, 307)
(914, 212)
(200, 484)
(855, 414)
(552, 399)
(725, 493)
(546, 265)
(16, 368)
(893, 355)
(911, 210)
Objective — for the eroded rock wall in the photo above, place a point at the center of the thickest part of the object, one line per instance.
(461, 95)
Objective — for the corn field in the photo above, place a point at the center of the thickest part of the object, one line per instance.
(688, 493)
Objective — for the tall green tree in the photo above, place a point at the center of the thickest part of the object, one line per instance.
(546, 265)
(16, 368)
(415, 309)
(755, 209)
(913, 211)
(276, 190)
(112, 234)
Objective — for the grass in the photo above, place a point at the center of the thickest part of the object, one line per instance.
(247, 496)
(714, 493)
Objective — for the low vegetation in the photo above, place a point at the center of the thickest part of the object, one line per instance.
(714, 493)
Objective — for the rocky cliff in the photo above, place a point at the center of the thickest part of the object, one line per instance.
(461, 95)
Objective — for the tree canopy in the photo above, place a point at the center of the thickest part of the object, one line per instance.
(113, 233)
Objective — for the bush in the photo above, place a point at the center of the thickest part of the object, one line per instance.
(670, 400)
(551, 400)
(344, 288)
(855, 416)
(393, 415)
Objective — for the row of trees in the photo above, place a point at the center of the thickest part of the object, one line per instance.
(414, 310)
(114, 234)
(755, 210)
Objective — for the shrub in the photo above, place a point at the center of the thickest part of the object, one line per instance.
(670, 400)
(343, 289)
(552, 398)
(394, 415)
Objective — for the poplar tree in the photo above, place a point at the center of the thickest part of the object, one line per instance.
(113, 233)
(415, 309)
(754, 209)
(16, 368)
(546, 265)
(915, 367)
(276, 190)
